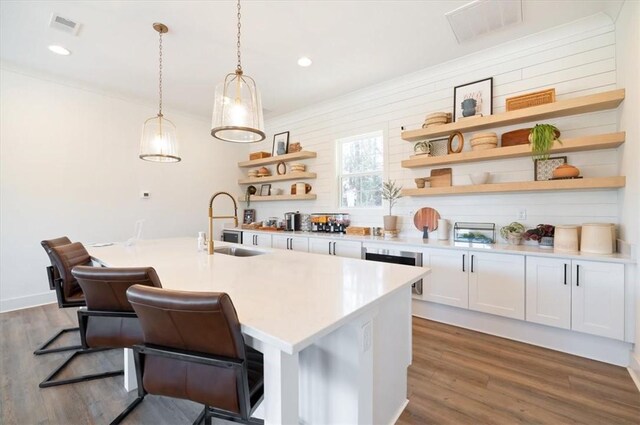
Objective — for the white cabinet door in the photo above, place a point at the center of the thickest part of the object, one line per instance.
(548, 282)
(349, 249)
(598, 298)
(448, 282)
(256, 239)
(496, 284)
(249, 238)
(321, 246)
(263, 240)
(280, 241)
(299, 243)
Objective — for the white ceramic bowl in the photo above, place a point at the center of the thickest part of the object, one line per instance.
(479, 178)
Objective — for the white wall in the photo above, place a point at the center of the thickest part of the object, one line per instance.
(577, 59)
(69, 166)
(628, 64)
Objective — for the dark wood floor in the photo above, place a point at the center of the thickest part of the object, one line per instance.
(458, 377)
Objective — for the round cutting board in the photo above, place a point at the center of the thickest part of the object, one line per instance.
(426, 217)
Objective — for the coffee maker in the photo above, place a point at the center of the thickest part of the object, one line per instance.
(292, 221)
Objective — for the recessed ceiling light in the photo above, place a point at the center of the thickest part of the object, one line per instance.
(59, 50)
(304, 61)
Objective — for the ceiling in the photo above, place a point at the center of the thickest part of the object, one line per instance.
(353, 44)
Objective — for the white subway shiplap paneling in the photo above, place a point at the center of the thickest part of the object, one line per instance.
(577, 59)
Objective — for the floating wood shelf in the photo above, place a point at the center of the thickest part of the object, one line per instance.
(280, 158)
(531, 186)
(254, 198)
(579, 105)
(587, 143)
(277, 178)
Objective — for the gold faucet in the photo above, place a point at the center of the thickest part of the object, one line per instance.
(211, 217)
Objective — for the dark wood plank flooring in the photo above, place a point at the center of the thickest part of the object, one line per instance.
(457, 377)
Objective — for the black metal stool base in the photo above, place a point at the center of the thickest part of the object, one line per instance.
(128, 410)
(49, 382)
(44, 350)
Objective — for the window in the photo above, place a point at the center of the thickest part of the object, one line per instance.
(360, 170)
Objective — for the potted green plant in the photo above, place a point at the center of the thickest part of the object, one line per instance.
(391, 193)
(512, 233)
(542, 137)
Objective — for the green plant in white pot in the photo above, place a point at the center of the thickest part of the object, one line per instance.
(391, 192)
(542, 138)
(512, 233)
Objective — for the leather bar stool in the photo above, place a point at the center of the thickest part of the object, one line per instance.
(193, 349)
(67, 292)
(108, 321)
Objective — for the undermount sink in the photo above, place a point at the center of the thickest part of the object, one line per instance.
(236, 251)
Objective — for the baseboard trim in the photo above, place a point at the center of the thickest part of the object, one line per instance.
(634, 369)
(19, 303)
(577, 343)
(397, 415)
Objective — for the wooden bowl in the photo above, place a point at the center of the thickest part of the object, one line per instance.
(565, 171)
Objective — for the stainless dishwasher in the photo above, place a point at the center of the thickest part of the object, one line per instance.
(407, 258)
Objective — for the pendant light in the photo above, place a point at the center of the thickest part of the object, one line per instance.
(237, 109)
(159, 142)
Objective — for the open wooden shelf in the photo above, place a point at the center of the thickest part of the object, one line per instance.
(530, 186)
(586, 143)
(579, 105)
(277, 178)
(280, 158)
(255, 198)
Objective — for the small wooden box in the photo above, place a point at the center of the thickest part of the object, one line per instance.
(530, 99)
(359, 231)
(258, 155)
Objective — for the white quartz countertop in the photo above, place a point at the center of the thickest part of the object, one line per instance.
(449, 244)
(285, 298)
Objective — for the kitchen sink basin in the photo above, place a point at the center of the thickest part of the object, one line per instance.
(236, 251)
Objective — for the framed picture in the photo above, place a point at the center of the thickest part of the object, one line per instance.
(249, 216)
(473, 99)
(280, 144)
(543, 168)
(265, 190)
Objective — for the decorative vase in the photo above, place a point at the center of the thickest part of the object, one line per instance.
(420, 183)
(390, 222)
(514, 238)
(546, 242)
(469, 107)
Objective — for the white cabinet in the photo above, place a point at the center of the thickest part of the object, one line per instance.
(340, 248)
(496, 284)
(293, 243)
(448, 281)
(549, 291)
(256, 239)
(597, 298)
(585, 296)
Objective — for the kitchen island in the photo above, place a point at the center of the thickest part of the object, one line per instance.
(335, 332)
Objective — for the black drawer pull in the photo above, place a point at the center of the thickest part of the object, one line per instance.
(577, 274)
(472, 264)
(464, 256)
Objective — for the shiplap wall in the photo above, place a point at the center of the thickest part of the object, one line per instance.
(576, 59)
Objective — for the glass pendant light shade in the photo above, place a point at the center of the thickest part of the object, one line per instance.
(159, 142)
(237, 110)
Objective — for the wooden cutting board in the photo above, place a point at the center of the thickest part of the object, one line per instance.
(440, 177)
(426, 217)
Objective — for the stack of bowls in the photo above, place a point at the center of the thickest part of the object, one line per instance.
(437, 118)
(298, 168)
(482, 141)
(253, 173)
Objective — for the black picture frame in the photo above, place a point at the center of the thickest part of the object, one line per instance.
(543, 168)
(265, 189)
(248, 216)
(476, 89)
(277, 138)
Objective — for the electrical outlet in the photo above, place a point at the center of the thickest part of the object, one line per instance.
(145, 194)
(522, 214)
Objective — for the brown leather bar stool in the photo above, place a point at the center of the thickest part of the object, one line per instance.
(108, 321)
(67, 292)
(193, 349)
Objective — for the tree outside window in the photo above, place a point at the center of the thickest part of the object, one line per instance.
(360, 170)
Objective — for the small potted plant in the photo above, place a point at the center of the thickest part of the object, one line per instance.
(543, 234)
(512, 233)
(391, 193)
(542, 137)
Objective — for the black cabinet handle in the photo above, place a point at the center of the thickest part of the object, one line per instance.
(255, 239)
(290, 243)
(565, 273)
(472, 264)
(334, 248)
(464, 256)
(329, 248)
(577, 274)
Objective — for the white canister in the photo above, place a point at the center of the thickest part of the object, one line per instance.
(566, 238)
(597, 238)
(443, 229)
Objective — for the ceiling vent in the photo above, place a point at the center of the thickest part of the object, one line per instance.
(481, 17)
(64, 24)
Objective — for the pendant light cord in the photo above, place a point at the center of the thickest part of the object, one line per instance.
(160, 77)
(239, 67)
